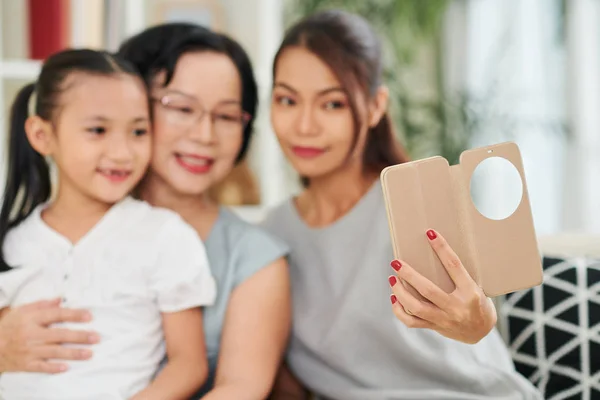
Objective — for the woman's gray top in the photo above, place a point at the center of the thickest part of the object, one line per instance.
(346, 342)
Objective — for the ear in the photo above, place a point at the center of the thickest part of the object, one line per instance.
(39, 134)
(379, 105)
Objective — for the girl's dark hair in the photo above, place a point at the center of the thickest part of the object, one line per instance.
(157, 49)
(28, 179)
(349, 46)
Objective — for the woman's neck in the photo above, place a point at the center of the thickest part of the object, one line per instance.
(199, 211)
(330, 197)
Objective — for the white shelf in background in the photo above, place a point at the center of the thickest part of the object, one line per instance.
(20, 69)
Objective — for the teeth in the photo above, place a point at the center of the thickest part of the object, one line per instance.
(194, 161)
(114, 172)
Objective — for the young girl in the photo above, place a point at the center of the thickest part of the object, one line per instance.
(136, 268)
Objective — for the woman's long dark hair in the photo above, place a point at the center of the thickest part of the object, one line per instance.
(349, 46)
(28, 177)
(158, 49)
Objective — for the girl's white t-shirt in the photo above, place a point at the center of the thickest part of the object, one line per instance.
(136, 263)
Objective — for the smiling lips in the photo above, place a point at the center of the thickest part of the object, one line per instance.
(194, 163)
(114, 175)
(307, 152)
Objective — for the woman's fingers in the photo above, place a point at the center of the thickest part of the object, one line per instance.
(458, 273)
(459, 315)
(45, 367)
(412, 305)
(58, 315)
(61, 336)
(58, 352)
(424, 286)
(409, 320)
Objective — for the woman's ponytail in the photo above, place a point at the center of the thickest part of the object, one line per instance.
(382, 149)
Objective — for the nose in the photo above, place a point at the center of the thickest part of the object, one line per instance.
(203, 130)
(306, 124)
(119, 148)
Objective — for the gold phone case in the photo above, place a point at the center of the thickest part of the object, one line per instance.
(502, 256)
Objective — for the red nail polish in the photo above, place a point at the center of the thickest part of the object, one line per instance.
(393, 299)
(431, 234)
(392, 279)
(396, 265)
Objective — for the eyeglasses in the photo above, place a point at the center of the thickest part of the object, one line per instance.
(183, 112)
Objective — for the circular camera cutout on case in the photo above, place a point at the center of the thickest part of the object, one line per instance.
(496, 188)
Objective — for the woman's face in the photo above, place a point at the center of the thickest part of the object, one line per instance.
(311, 115)
(198, 123)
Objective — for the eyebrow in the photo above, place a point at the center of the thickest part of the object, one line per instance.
(97, 118)
(101, 118)
(178, 92)
(320, 93)
(227, 102)
(194, 98)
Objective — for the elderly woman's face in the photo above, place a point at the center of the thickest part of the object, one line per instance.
(198, 123)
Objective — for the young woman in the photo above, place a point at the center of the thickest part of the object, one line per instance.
(328, 111)
(142, 272)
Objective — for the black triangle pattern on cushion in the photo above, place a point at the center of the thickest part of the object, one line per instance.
(526, 302)
(570, 359)
(570, 315)
(570, 275)
(593, 313)
(554, 296)
(593, 276)
(557, 337)
(518, 325)
(529, 347)
(553, 330)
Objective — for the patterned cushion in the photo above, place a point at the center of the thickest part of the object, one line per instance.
(553, 330)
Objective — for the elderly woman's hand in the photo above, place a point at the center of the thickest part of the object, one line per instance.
(466, 314)
(27, 341)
